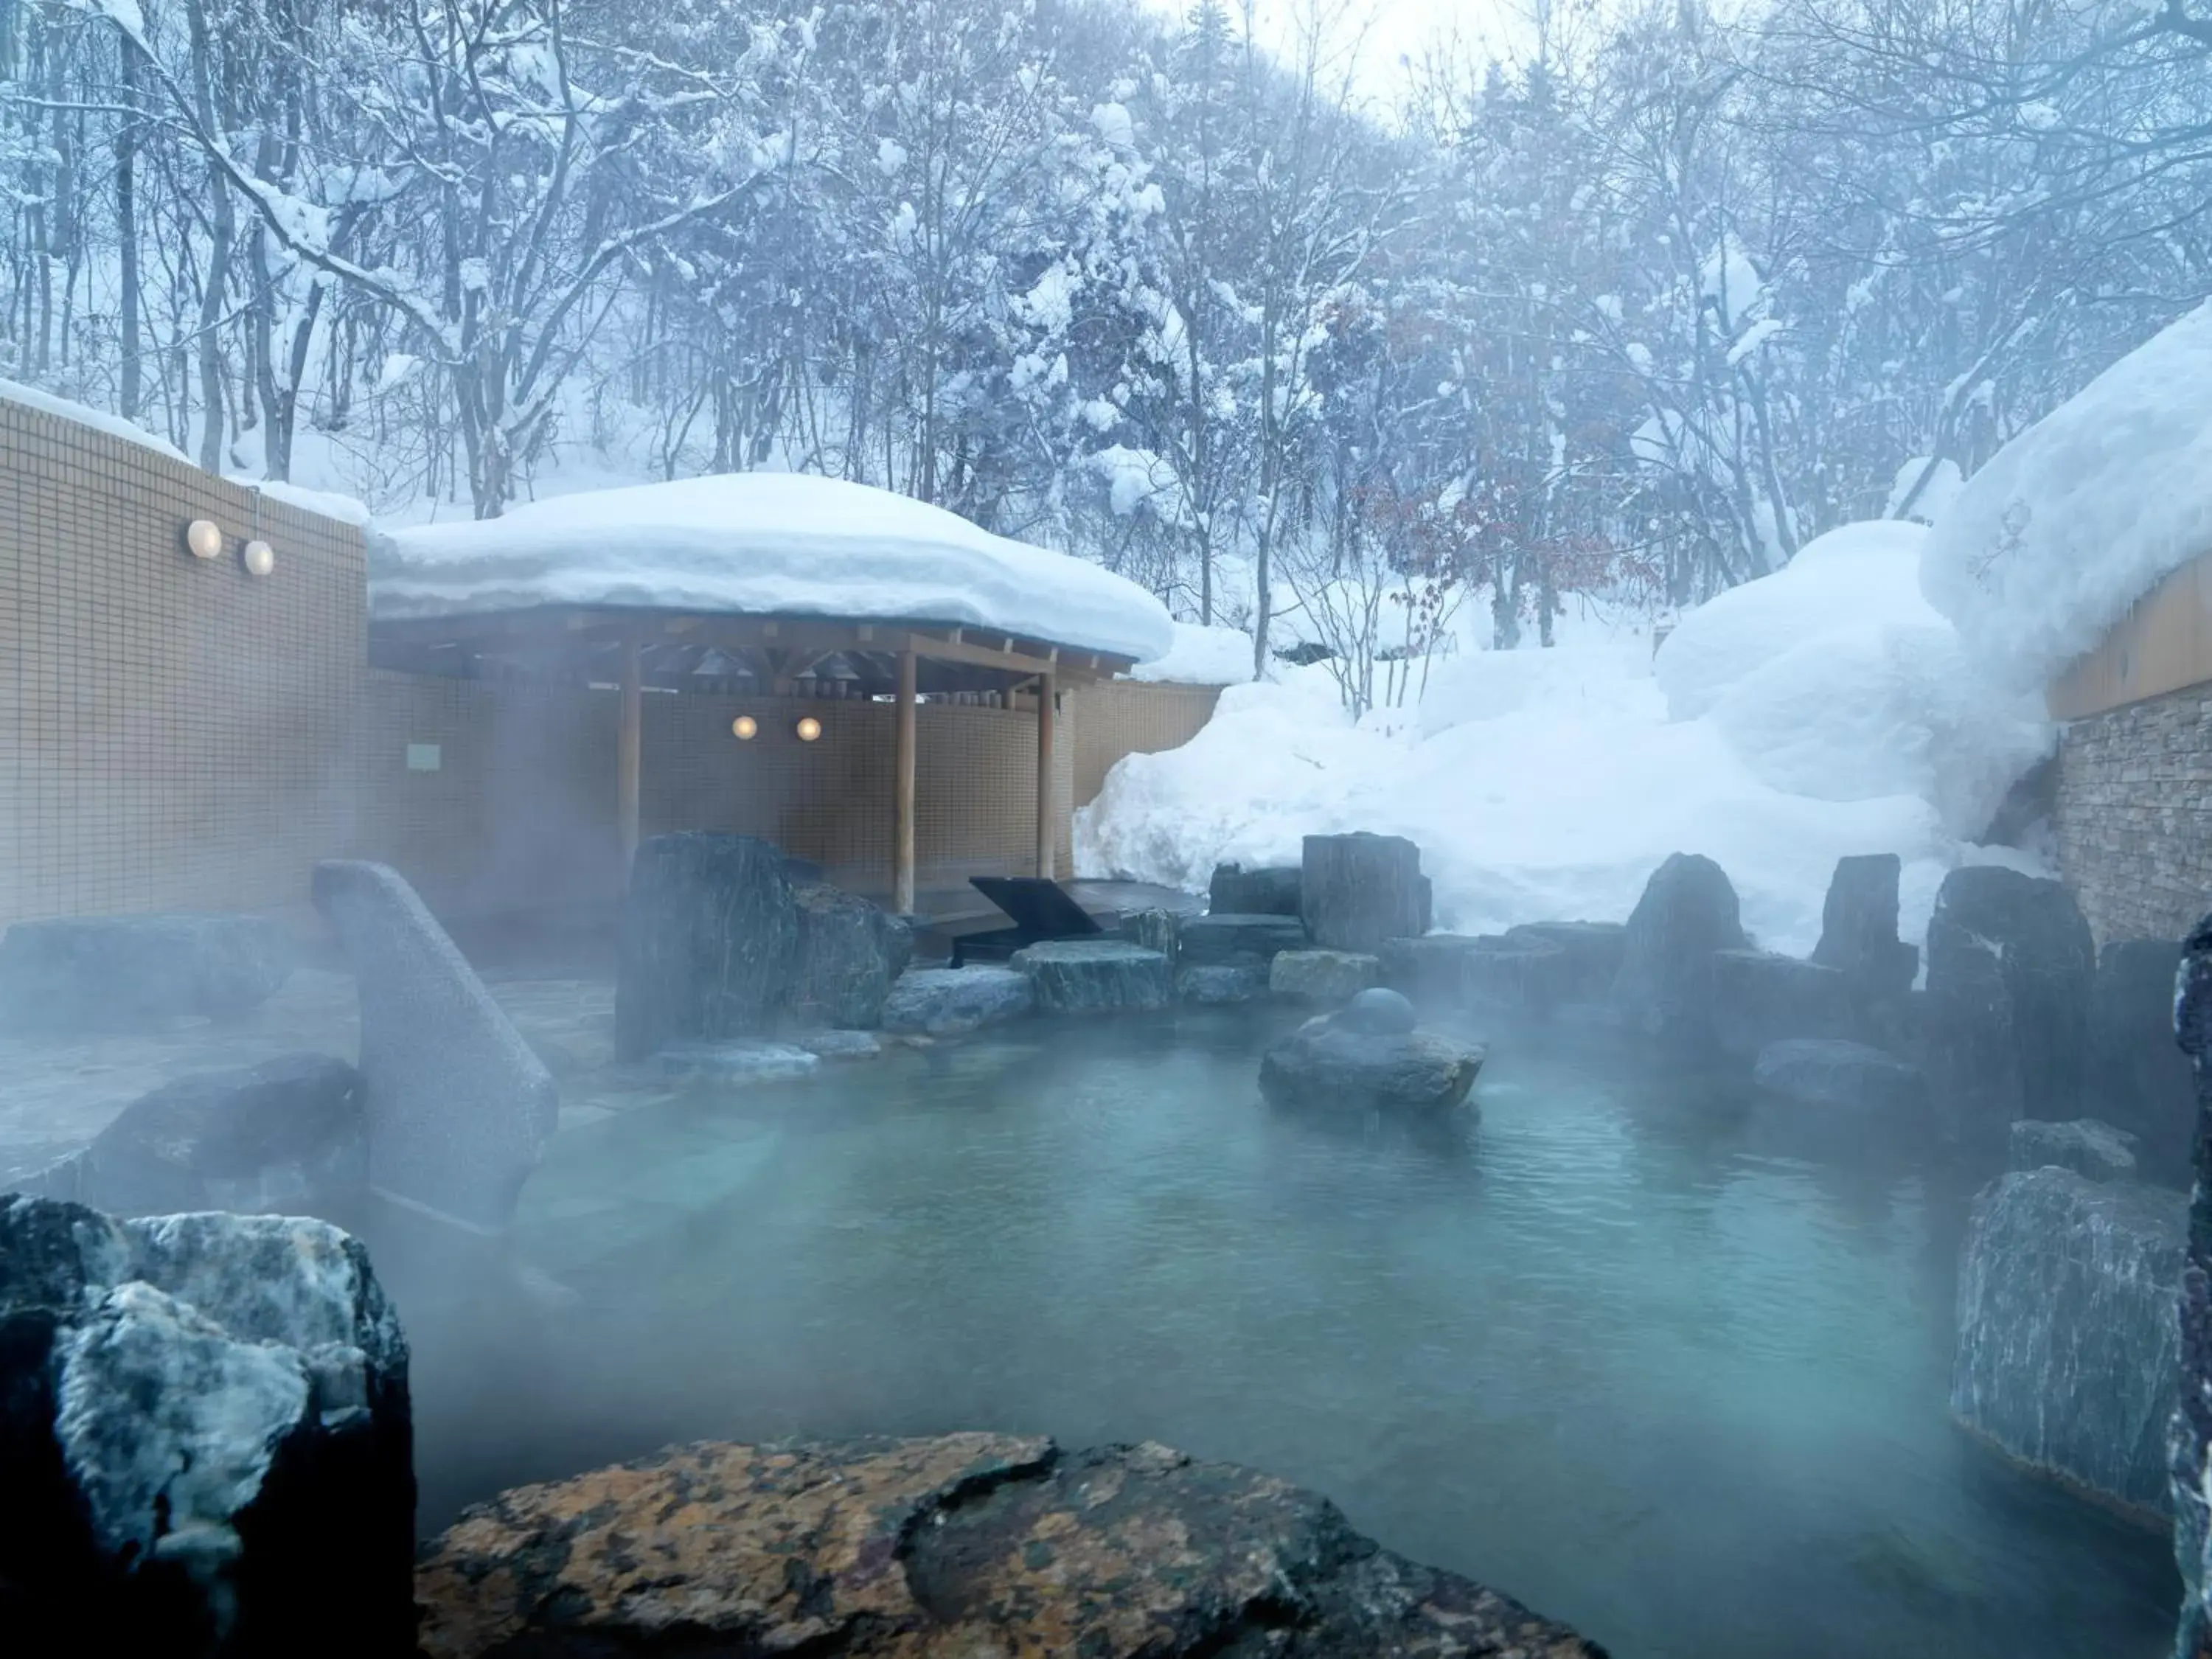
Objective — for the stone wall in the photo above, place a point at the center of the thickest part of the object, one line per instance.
(2134, 815)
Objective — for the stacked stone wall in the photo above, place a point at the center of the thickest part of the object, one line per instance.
(2133, 815)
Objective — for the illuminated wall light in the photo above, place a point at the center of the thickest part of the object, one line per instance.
(258, 557)
(204, 539)
(808, 729)
(744, 728)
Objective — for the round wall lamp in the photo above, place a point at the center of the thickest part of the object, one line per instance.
(808, 729)
(258, 557)
(204, 539)
(744, 728)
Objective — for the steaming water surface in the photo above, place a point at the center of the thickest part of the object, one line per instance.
(1599, 1353)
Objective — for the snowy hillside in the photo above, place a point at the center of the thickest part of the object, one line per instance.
(1822, 711)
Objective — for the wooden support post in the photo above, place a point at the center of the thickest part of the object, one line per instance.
(1048, 823)
(629, 744)
(902, 792)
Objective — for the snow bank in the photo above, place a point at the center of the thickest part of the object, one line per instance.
(327, 502)
(85, 415)
(1201, 655)
(2071, 522)
(1821, 712)
(778, 543)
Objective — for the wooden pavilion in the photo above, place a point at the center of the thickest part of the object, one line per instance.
(726, 623)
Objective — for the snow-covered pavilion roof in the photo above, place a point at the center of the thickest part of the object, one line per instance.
(774, 544)
(2077, 517)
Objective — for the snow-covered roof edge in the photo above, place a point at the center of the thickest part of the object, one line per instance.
(115, 426)
(2047, 546)
(763, 544)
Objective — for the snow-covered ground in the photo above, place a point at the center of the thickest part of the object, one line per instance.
(1823, 711)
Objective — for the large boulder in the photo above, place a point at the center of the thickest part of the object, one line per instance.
(848, 954)
(1430, 968)
(1664, 990)
(949, 1001)
(1323, 978)
(1858, 928)
(710, 929)
(1593, 952)
(1357, 890)
(459, 1107)
(2139, 1078)
(1761, 997)
(2094, 1150)
(2067, 1346)
(1270, 890)
(128, 973)
(1350, 1061)
(966, 1544)
(287, 1136)
(1237, 939)
(2191, 1444)
(204, 1439)
(1094, 975)
(2033, 932)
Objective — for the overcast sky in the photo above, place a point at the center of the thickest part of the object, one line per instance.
(1394, 30)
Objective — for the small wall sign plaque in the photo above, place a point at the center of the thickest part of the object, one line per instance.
(422, 757)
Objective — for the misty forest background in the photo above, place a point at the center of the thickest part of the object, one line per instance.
(1634, 315)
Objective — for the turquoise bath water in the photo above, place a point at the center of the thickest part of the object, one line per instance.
(1603, 1351)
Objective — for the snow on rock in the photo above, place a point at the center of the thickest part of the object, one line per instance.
(1820, 712)
(85, 415)
(1201, 655)
(766, 543)
(2071, 522)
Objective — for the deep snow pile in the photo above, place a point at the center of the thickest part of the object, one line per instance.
(1201, 655)
(2071, 522)
(777, 544)
(1822, 711)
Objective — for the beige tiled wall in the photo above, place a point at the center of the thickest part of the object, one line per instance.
(177, 734)
(1133, 717)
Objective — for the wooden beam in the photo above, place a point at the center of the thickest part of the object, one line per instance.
(979, 656)
(1047, 822)
(903, 769)
(629, 747)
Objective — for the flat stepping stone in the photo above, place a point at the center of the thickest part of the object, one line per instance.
(1215, 984)
(1213, 940)
(1094, 975)
(948, 1001)
(740, 1060)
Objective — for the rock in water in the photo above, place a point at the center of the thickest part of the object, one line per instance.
(2094, 1150)
(1858, 928)
(1216, 985)
(1343, 1062)
(849, 953)
(1323, 977)
(968, 1544)
(1761, 997)
(126, 973)
(458, 1105)
(738, 1059)
(2067, 1348)
(287, 1136)
(1973, 1058)
(2139, 1076)
(1664, 990)
(2189, 1445)
(1594, 950)
(1155, 930)
(1527, 974)
(1854, 1088)
(1431, 969)
(1237, 941)
(948, 1001)
(1272, 890)
(204, 1439)
(709, 933)
(1379, 1009)
(2033, 932)
(1094, 975)
(1355, 892)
